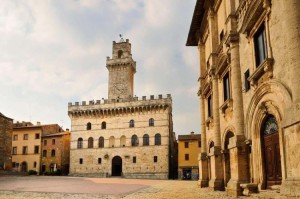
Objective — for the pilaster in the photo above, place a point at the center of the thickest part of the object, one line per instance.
(291, 124)
(203, 170)
(238, 165)
(216, 181)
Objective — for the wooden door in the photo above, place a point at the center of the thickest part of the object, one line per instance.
(272, 158)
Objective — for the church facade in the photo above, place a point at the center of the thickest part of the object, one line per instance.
(249, 94)
(123, 135)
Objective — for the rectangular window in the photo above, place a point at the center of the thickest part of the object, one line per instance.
(34, 165)
(15, 137)
(80, 161)
(199, 143)
(186, 144)
(24, 152)
(37, 136)
(14, 151)
(36, 149)
(247, 82)
(53, 141)
(25, 137)
(260, 45)
(45, 142)
(226, 87)
(155, 158)
(99, 160)
(44, 153)
(209, 106)
(134, 159)
(53, 153)
(186, 156)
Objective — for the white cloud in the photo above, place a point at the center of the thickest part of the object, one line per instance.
(54, 52)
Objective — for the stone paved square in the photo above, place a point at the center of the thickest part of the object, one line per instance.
(12, 187)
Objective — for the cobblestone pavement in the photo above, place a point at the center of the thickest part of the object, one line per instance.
(108, 188)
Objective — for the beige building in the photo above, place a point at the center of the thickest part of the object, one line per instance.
(6, 126)
(55, 153)
(123, 135)
(188, 151)
(249, 93)
(26, 145)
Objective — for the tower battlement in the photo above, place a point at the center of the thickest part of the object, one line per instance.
(155, 99)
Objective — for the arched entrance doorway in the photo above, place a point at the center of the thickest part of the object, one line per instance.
(24, 167)
(116, 166)
(227, 171)
(271, 151)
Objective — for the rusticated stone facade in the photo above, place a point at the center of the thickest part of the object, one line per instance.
(249, 93)
(6, 126)
(122, 135)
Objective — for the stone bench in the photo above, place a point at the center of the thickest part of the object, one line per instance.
(249, 188)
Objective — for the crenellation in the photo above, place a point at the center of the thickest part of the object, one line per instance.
(160, 97)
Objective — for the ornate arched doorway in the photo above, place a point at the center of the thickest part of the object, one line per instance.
(24, 167)
(227, 171)
(271, 151)
(116, 166)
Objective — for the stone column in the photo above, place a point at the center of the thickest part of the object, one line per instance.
(203, 164)
(217, 174)
(237, 148)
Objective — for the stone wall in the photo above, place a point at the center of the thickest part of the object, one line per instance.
(117, 117)
(6, 126)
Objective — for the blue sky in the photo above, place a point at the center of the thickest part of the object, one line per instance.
(54, 52)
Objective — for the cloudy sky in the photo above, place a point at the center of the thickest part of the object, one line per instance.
(54, 52)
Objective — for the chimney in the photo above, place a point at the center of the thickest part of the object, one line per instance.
(192, 133)
(38, 123)
(68, 130)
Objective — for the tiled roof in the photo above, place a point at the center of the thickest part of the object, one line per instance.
(190, 137)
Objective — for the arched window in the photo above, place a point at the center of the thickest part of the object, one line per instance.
(120, 53)
(151, 122)
(157, 139)
(103, 125)
(134, 140)
(91, 142)
(146, 140)
(88, 126)
(79, 143)
(131, 123)
(112, 141)
(123, 141)
(101, 142)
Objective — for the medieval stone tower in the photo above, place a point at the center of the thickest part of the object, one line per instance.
(122, 135)
(121, 69)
